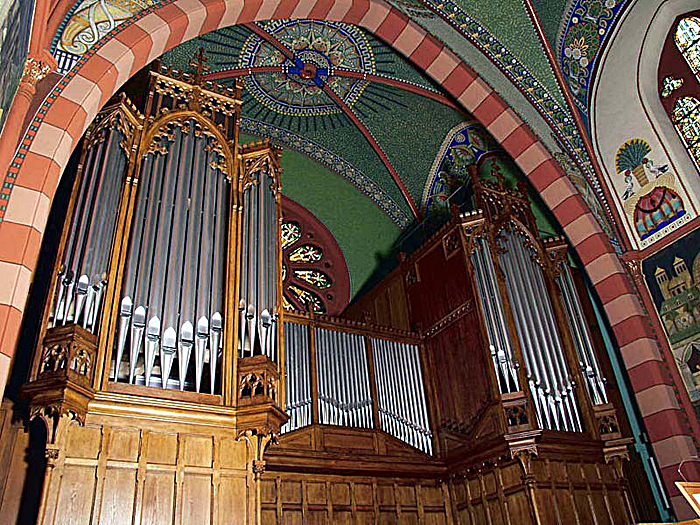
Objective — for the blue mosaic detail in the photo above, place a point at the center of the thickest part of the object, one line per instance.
(464, 146)
(587, 24)
(319, 47)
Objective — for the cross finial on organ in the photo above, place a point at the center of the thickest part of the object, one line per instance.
(199, 63)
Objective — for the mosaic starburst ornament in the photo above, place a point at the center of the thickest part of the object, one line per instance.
(318, 47)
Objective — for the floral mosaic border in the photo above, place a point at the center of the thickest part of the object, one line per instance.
(560, 119)
(580, 41)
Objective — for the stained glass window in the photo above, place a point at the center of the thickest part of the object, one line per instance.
(686, 117)
(688, 42)
(308, 299)
(311, 260)
(291, 233)
(314, 277)
(307, 253)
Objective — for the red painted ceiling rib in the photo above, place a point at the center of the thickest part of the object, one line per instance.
(377, 79)
(348, 112)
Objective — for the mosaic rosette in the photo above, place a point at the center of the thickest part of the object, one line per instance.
(319, 47)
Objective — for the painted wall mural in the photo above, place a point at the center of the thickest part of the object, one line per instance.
(463, 146)
(650, 194)
(673, 279)
(15, 29)
(581, 38)
(87, 22)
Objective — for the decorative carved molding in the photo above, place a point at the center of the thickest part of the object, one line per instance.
(63, 386)
(450, 318)
(258, 381)
(412, 274)
(257, 441)
(258, 159)
(451, 243)
(515, 412)
(606, 422)
(523, 447)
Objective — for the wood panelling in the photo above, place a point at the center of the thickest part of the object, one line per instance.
(458, 358)
(148, 474)
(383, 305)
(557, 491)
(328, 499)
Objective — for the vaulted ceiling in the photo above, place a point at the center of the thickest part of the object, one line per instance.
(362, 128)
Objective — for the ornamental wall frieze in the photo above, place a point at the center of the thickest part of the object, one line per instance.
(559, 118)
(580, 41)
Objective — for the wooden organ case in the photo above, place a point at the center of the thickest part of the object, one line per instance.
(166, 368)
(158, 372)
(522, 399)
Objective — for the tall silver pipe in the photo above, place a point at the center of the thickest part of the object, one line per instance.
(539, 353)
(554, 352)
(567, 383)
(532, 366)
(422, 403)
(584, 344)
(176, 261)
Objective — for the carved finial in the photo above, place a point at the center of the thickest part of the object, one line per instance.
(199, 63)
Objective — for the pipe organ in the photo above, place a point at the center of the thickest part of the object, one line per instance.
(166, 369)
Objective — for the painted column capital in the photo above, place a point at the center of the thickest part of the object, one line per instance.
(35, 70)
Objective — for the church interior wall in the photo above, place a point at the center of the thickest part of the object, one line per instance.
(188, 463)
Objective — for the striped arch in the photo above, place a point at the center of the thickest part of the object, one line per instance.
(71, 106)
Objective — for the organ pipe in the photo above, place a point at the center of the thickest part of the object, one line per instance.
(504, 363)
(260, 261)
(82, 276)
(595, 381)
(402, 404)
(297, 376)
(343, 379)
(173, 292)
(547, 370)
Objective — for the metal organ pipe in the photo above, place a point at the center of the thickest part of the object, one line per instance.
(539, 337)
(532, 367)
(573, 421)
(258, 307)
(83, 274)
(344, 393)
(401, 391)
(582, 339)
(298, 379)
(172, 296)
(501, 353)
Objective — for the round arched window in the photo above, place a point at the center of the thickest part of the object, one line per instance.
(314, 272)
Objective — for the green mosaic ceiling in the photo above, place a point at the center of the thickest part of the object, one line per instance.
(362, 115)
(347, 138)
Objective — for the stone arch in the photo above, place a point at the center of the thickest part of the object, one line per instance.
(76, 99)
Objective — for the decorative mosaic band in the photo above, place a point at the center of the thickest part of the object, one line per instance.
(333, 162)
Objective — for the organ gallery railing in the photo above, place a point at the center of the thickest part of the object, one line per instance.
(354, 375)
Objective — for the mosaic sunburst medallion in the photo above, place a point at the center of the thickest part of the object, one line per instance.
(319, 48)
